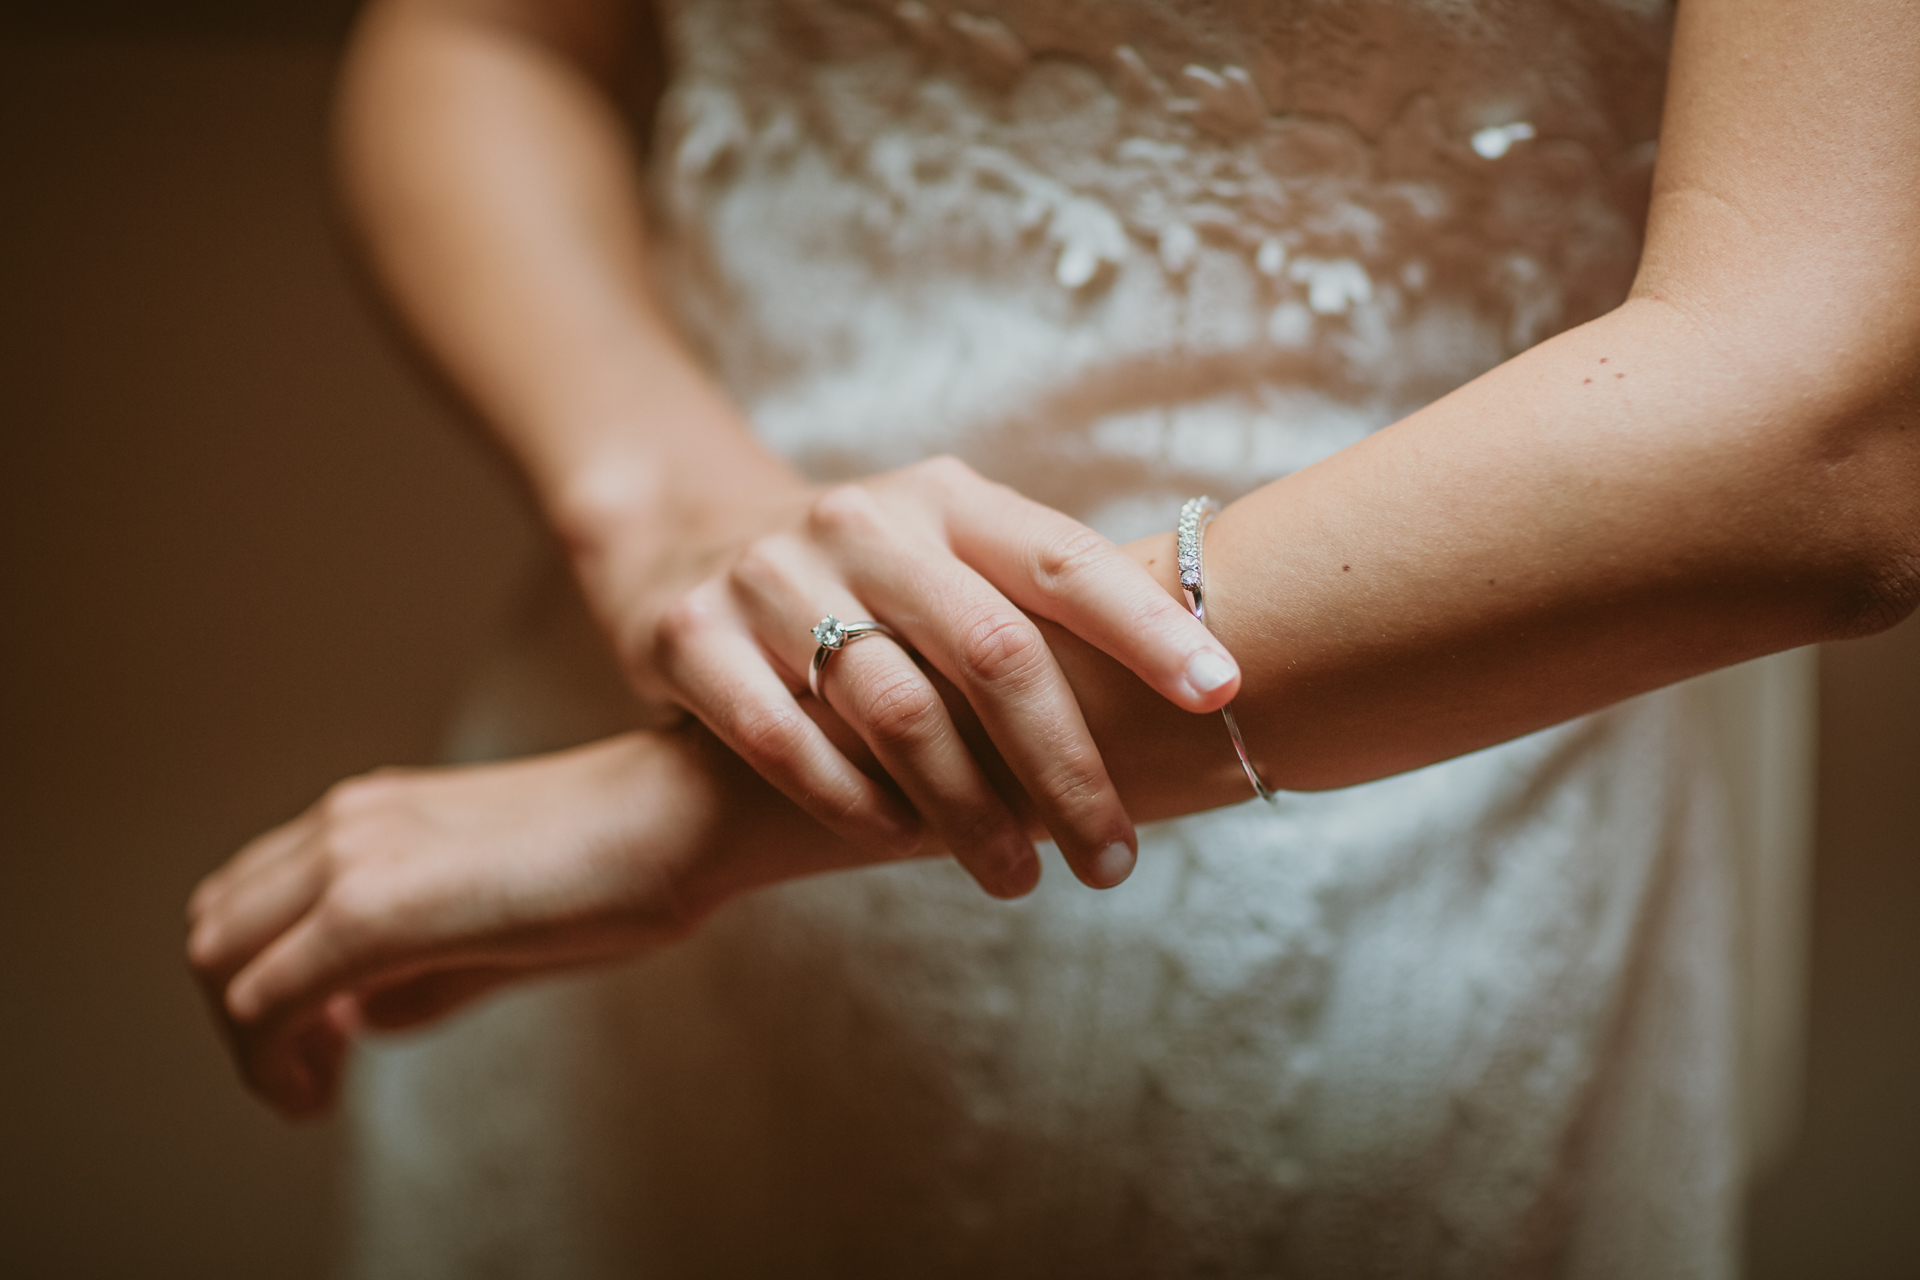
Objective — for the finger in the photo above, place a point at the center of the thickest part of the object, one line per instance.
(294, 1066)
(877, 689)
(256, 909)
(998, 659)
(358, 938)
(721, 675)
(365, 937)
(975, 637)
(1052, 565)
(334, 946)
(321, 1050)
(894, 707)
(258, 853)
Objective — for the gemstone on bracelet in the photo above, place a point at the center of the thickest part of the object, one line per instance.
(829, 632)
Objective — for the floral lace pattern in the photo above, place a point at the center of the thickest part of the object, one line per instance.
(1184, 267)
(1468, 1022)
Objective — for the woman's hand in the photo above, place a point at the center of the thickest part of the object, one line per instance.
(491, 171)
(403, 894)
(954, 565)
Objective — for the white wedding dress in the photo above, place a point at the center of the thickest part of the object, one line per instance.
(1505, 1016)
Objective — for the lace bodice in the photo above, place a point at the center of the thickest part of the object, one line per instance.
(1127, 249)
(1473, 1021)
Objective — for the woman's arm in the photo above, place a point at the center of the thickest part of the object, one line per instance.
(488, 168)
(404, 894)
(491, 173)
(1725, 466)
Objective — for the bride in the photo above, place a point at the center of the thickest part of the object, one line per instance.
(937, 318)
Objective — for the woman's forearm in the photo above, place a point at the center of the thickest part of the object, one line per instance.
(495, 182)
(1725, 466)
(491, 174)
(1721, 468)
(1618, 509)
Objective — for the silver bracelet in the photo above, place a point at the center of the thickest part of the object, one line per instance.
(1195, 516)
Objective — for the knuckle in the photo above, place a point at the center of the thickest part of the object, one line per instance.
(351, 799)
(769, 737)
(1076, 783)
(761, 562)
(356, 839)
(204, 895)
(999, 647)
(977, 827)
(342, 800)
(681, 620)
(844, 509)
(901, 711)
(682, 623)
(339, 851)
(204, 950)
(1060, 558)
(354, 915)
(947, 471)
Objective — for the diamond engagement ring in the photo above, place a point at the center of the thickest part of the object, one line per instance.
(833, 635)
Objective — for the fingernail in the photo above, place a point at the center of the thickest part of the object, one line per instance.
(1111, 865)
(1208, 669)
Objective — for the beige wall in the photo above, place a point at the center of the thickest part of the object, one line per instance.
(246, 552)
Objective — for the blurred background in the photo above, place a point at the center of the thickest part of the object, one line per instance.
(247, 550)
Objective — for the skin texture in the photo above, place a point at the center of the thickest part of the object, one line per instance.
(1726, 465)
(466, 127)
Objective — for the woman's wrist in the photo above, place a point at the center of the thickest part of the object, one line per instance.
(732, 831)
(638, 519)
(641, 490)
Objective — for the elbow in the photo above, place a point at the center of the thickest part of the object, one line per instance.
(1845, 409)
(1869, 521)
(1879, 591)
(1827, 380)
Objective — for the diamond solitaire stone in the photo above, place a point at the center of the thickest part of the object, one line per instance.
(829, 632)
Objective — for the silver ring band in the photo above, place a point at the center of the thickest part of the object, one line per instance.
(1195, 516)
(833, 635)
